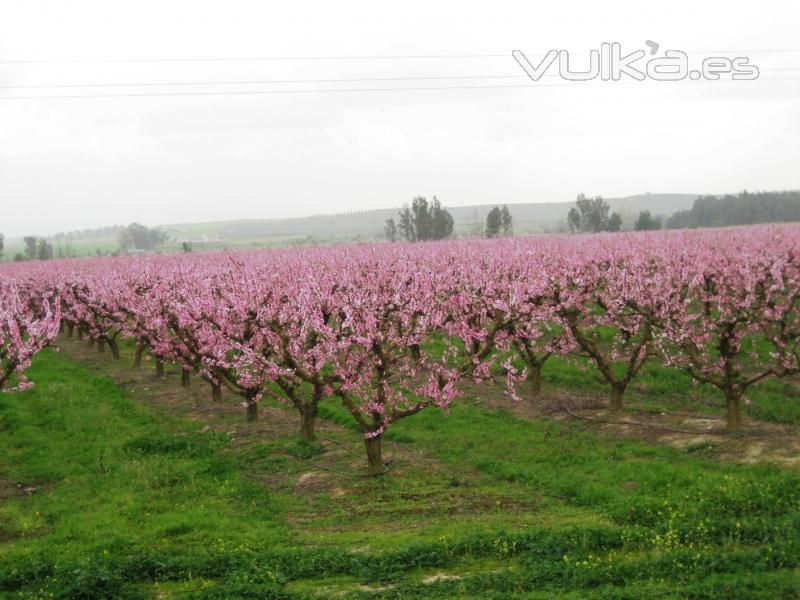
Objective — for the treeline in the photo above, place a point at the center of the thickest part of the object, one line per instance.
(592, 215)
(134, 236)
(141, 237)
(36, 248)
(743, 209)
(426, 221)
(90, 234)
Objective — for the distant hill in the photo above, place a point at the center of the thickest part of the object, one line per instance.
(528, 218)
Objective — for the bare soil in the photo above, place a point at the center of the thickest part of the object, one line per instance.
(756, 441)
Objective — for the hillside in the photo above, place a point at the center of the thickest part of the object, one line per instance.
(357, 226)
(528, 218)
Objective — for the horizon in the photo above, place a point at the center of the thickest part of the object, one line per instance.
(566, 203)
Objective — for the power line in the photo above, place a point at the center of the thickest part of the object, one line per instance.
(331, 58)
(292, 81)
(352, 90)
(269, 92)
(249, 59)
(263, 81)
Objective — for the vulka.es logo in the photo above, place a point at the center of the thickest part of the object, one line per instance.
(609, 64)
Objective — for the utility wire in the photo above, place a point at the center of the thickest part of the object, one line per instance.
(264, 81)
(284, 81)
(329, 58)
(248, 59)
(269, 92)
(351, 90)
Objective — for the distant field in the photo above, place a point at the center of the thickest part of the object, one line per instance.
(80, 248)
(359, 226)
(106, 246)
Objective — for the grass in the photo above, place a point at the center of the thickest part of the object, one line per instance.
(131, 498)
(83, 248)
(78, 248)
(669, 389)
(660, 388)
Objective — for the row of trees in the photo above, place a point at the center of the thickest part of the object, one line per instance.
(743, 209)
(141, 237)
(36, 248)
(499, 222)
(592, 215)
(391, 330)
(424, 221)
(133, 236)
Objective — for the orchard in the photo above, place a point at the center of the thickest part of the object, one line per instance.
(390, 330)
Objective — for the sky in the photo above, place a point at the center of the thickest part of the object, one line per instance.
(76, 163)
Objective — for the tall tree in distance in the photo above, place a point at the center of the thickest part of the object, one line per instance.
(44, 250)
(499, 222)
(647, 222)
(2, 244)
(442, 221)
(493, 222)
(30, 247)
(141, 237)
(506, 223)
(425, 221)
(408, 224)
(390, 230)
(590, 215)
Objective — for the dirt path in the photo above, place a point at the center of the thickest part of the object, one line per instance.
(703, 435)
(339, 467)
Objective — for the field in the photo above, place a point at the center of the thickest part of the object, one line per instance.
(591, 417)
(121, 485)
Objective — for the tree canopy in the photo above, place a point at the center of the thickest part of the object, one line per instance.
(424, 221)
(498, 222)
(590, 215)
(141, 237)
(743, 209)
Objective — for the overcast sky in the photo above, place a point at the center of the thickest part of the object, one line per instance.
(87, 162)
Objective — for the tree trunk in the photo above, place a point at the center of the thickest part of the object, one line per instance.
(101, 346)
(137, 359)
(374, 455)
(114, 347)
(185, 373)
(308, 418)
(80, 333)
(90, 343)
(61, 326)
(159, 367)
(70, 329)
(216, 392)
(535, 380)
(734, 417)
(615, 400)
(252, 411)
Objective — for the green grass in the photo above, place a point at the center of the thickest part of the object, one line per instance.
(133, 503)
(77, 248)
(669, 389)
(109, 246)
